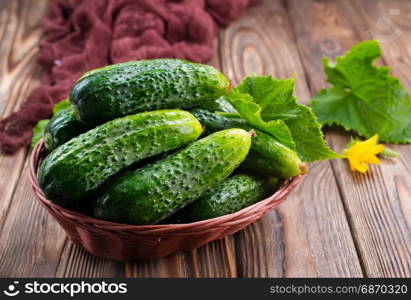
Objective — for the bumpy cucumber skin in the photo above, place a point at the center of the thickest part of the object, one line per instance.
(146, 85)
(62, 128)
(230, 195)
(82, 164)
(152, 193)
(267, 156)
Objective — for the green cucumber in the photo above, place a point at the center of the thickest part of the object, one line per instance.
(230, 195)
(62, 128)
(267, 156)
(146, 85)
(79, 166)
(152, 193)
(219, 105)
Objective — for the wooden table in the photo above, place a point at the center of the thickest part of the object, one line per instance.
(336, 224)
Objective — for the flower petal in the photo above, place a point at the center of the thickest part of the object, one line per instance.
(372, 159)
(361, 153)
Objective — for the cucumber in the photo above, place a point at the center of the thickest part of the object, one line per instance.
(146, 85)
(62, 128)
(79, 166)
(267, 156)
(213, 122)
(152, 193)
(230, 195)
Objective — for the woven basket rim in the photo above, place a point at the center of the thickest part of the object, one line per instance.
(39, 152)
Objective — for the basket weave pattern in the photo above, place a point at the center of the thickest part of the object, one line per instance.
(124, 242)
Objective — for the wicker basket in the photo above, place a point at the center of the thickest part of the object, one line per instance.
(128, 242)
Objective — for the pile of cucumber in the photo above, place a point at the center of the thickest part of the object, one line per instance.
(142, 143)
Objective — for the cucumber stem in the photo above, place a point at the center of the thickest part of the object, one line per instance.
(252, 133)
(303, 168)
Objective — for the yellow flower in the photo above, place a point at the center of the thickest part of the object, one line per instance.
(361, 153)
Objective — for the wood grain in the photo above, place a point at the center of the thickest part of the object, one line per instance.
(255, 44)
(390, 23)
(18, 74)
(376, 203)
(19, 35)
(308, 235)
(215, 259)
(31, 241)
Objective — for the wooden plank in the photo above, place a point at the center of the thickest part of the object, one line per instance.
(170, 266)
(19, 73)
(396, 47)
(31, 241)
(19, 35)
(308, 235)
(390, 24)
(216, 259)
(377, 204)
(38, 250)
(75, 262)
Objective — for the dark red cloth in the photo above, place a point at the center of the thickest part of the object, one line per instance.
(82, 34)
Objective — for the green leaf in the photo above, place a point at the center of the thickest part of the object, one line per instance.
(364, 97)
(38, 131)
(250, 111)
(276, 103)
(60, 106)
